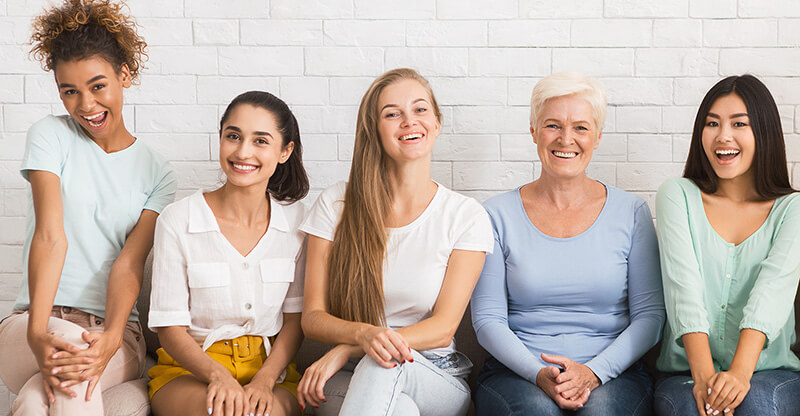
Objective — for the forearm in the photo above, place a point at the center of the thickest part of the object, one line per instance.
(433, 332)
(499, 341)
(698, 354)
(283, 350)
(124, 284)
(748, 349)
(323, 327)
(177, 342)
(45, 263)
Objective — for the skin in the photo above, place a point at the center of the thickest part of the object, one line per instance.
(562, 203)
(251, 137)
(404, 107)
(728, 127)
(86, 86)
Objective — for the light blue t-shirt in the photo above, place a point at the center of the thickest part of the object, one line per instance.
(595, 297)
(103, 195)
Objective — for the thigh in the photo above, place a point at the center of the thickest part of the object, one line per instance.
(434, 391)
(284, 403)
(629, 394)
(502, 392)
(673, 396)
(772, 392)
(128, 362)
(17, 362)
(186, 395)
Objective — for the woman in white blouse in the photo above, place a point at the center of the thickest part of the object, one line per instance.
(224, 276)
(392, 260)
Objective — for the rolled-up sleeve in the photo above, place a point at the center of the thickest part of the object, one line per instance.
(169, 298)
(680, 271)
(772, 297)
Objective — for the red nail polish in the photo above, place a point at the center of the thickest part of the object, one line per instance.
(411, 360)
(394, 366)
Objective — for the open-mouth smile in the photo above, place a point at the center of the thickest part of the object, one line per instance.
(96, 121)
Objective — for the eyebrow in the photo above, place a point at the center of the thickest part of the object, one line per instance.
(548, 120)
(256, 133)
(712, 115)
(395, 105)
(97, 78)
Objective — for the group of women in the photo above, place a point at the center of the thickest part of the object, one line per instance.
(572, 284)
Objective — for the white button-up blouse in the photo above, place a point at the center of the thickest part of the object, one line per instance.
(200, 281)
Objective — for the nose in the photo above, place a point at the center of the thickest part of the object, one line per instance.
(243, 150)
(86, 102)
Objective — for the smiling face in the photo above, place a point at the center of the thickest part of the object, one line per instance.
(91, 91)
(251, 146)
(565, 136)
(728, 140)
(407, 123)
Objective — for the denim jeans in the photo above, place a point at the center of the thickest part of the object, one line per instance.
(432, 386)
(772, 393)
(501, 392)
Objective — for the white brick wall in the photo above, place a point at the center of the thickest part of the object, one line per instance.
(656, 57)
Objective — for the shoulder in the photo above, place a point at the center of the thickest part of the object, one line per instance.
(154, 159)
(334, 192)
(176, 214)
(624, 199)
(56, 127)
(676, 186)
(455, 202)
(294, 212)
(501, 202)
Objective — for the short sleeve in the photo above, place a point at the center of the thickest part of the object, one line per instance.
(169, 296)
(164, 191)
(474, 228)
(294, 296)
(324, 216)
(44, 149)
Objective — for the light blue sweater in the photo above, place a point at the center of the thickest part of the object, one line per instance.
(595, 298)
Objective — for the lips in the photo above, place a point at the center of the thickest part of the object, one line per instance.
(726, 155)
(411, 136)
(240, 167)
(564, 154)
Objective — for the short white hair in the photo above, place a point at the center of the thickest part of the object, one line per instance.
(570, 83)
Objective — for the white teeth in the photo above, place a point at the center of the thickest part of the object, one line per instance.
(94, 116)
(243, 167)
(411, 136)
(566, 155)
(727, 152)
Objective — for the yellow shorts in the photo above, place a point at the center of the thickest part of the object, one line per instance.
(242, 356)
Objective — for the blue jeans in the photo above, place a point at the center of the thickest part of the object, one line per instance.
(501, 392)
(428, 386)
(772, 393)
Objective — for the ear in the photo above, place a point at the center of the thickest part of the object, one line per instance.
(533, 134)
(597, 140)
(286, 152)
(125, 76)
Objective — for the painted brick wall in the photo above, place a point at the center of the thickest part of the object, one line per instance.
(656, 57)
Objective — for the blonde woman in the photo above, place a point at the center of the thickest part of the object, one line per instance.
(392, 260)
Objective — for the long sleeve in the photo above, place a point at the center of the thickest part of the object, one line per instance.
(490, 319)
(645, 302)
(772, 297)
(680, 270)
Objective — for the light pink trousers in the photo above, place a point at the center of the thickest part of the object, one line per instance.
(20, 371)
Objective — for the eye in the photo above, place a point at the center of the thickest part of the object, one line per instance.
(739, 124)
(232, 136)
(392, 114)
(581, 128)
(421, 110)
(712, 123)
(552, 126)
(262, 140)
(69, 92)
(98, 87)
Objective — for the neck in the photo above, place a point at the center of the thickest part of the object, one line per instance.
(411, 181)
(739, 189)
(563, 192)
(121, 139)
(247, 206)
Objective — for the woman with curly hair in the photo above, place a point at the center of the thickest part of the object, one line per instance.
(96, 193)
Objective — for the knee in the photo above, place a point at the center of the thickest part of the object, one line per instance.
(368, 364)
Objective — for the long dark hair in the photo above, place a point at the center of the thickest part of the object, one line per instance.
(290, 181)
(769, 162)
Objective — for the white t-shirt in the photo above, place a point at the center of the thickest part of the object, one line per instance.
(416, 254)
(202, 282)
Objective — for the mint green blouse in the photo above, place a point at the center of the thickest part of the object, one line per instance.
(718, 288)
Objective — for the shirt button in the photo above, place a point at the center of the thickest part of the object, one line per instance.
(728, 275)
(245, 266)
(723, 306)
(248, 306)
(721, 337)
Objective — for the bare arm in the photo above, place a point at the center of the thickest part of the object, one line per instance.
(283, 350)
(701, 365)
(177, 342)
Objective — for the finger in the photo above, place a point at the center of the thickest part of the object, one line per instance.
(562, 387)
(70, 383)
(319, 387)
(268, 407)
(245, 405)
(313, 390)
(237, 405)
(572, 394)
(253, 400)
(565, 376)
(219, 404)
(739, 398)
(301, 388)
(49, 391)
(92, 383)
(402, 347)
(727, 398)
(701, 410)
(720, 392)
(379, 353)
(583, 398)
(210, 394)
(555, 359)
(61, 344)
(56, 384)
(64, 371)
(307, 391)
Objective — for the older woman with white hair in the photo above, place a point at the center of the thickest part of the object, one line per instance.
(571, 297)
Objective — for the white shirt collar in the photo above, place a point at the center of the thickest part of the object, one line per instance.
(201, 218)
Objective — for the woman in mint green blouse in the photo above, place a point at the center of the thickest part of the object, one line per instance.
(729, 234)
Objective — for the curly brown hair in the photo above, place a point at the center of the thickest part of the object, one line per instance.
(80, 29)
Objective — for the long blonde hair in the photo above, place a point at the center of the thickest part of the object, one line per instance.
(355, 265)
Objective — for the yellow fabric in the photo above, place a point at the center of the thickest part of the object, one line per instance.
(242, 356)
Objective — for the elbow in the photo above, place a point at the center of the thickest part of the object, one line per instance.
(445, 337)
(51, 240)
(307, 324)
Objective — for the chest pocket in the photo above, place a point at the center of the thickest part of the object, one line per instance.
(209, 286)
(276, 275)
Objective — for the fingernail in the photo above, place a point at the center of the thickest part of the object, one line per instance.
(708, 406)
(394, 366)
(716, 412)
(708, 411)
(709, 391)
(210, 410)
(726, 410)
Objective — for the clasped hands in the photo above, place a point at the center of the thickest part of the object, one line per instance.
(64, 365)
(721, 393)
(569, 388)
